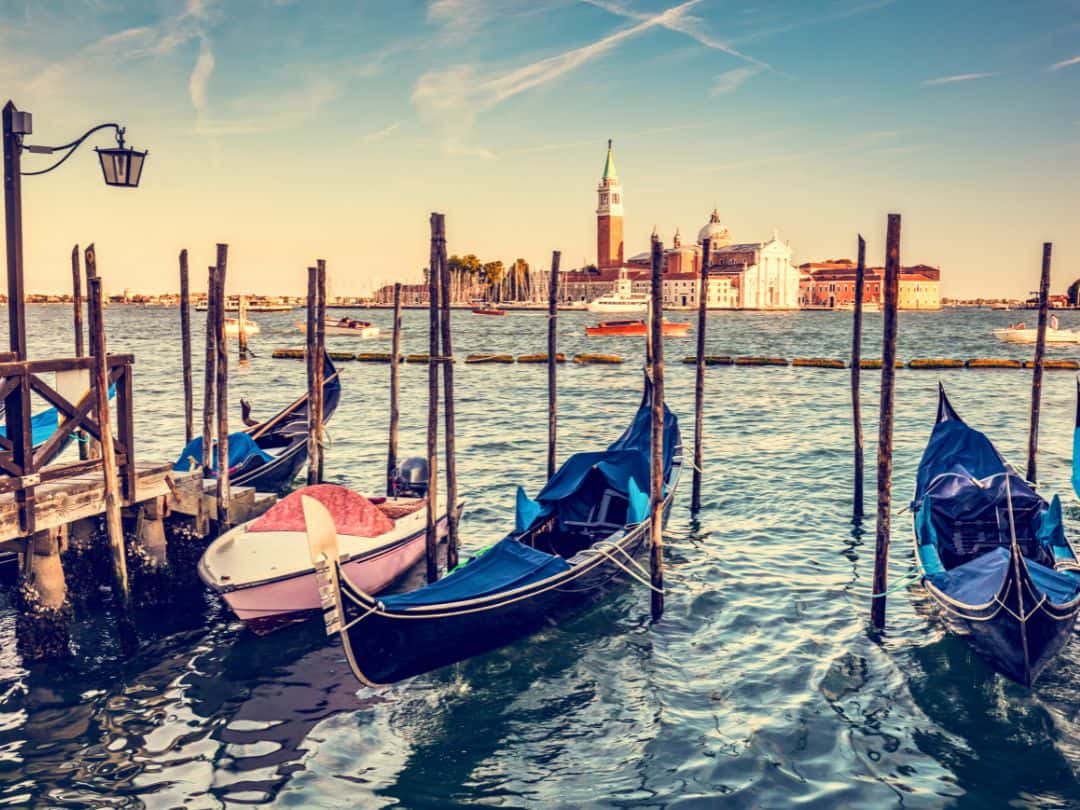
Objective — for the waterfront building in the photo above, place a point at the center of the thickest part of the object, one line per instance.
(831, 284)
(609, 216)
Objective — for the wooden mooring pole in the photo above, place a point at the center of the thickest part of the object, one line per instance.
(438, 234)
(241, 324)
(93, 447)
(77, 322)
(656, 483)
(113, 527)
(317, 462)
(395, 414)
(447, 359)
(223, 492)
(1037, 373)
(210, 372)
(856, 362)
(552, 364)
(890, 295)
(699, 377)
(185, 347)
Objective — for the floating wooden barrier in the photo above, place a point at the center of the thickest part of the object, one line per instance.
(299, 354)
(1056, 365)
(377, 357)
(610, 359)
(761, 361)
(872, 362)
(818, 362)
(540, 358)
(711, 360)
(490, 358)
(932, 363)
(992, 362)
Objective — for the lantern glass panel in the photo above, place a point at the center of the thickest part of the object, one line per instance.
(135, 166)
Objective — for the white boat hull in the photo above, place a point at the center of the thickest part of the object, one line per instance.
(1053, 336)
(601, 306)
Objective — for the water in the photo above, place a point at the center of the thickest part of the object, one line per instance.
(761, 686)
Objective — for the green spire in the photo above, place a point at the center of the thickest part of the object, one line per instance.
(609, 164)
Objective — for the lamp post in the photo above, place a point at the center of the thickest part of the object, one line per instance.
(120, 166)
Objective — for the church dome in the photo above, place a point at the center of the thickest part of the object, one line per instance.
(715, 231)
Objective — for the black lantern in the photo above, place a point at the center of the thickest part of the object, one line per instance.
(121, 166)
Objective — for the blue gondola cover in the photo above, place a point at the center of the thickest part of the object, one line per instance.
(242, 448)
(506, 565)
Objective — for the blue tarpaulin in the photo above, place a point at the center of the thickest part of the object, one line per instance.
(45, 423)
(963, 498)
(506, 565)
(242, 448)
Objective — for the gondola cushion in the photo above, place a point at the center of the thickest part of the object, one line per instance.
(506, 565)
(353, 514)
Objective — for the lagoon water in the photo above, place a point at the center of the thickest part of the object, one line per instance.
(761, 686)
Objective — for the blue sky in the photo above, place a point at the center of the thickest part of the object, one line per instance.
(296, 130)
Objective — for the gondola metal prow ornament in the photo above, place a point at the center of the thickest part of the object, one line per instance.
(323, 545)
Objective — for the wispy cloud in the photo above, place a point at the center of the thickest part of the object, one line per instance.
(454, 96)
(256, 115)
(688, 24)
(960, 77)
(381, 134)
(200, 77)
(831, 16)
(730, 80)
(1064, 63)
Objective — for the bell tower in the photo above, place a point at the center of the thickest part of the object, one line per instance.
(609, 216)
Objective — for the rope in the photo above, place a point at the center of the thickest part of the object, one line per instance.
(911, 577)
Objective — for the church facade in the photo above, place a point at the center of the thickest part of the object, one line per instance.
(747, 275)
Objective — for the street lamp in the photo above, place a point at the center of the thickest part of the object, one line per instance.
(120, 166)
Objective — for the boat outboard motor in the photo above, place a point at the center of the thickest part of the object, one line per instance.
(411, 478)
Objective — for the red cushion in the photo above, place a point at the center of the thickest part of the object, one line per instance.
(353, 514)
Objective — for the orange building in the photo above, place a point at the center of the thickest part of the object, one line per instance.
(831, 284)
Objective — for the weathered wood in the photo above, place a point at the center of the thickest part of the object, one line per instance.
(185, 347)
(656, 484)
(856, 368)
(77, 302)
(241, 326)
(210, 376)
(317, 463)
(222, 346)
(93, 448)
(448, 397)
(13, 232)
(891, 295)
(699, 376)
(1040, 356)
(312, 339)
(553, 361)
(150, 533)
(110, 481)
(395, 415)
(431, 536)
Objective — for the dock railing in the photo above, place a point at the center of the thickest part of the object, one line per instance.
(24, 466)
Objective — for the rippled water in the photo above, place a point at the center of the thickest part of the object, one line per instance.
(761, 686)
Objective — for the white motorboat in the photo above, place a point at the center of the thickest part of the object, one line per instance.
(1021, 333)
(622, 300)
(346, 326)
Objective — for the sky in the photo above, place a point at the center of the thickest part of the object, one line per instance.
(302, 130)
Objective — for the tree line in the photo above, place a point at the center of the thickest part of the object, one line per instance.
(494, 281)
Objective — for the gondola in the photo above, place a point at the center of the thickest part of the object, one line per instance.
(992, 552)
(582, 531)
(268, 455)
(1076, 444)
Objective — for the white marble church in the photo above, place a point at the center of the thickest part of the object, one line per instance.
(750, 275)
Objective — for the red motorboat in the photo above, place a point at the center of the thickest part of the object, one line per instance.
(638, 328)
(488, 311)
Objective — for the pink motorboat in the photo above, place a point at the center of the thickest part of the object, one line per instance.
(263, 569)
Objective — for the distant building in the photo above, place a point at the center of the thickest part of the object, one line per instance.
(831, 284)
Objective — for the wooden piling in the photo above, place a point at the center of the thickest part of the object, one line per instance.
(310, 354)
(223, 491)
(77, 302)
(856, 368)
(185, 347)
(1037, 372)
(656, 485)
(319, 368)
(210, 372)
(890, 295)
(447, 353)
(431, 538)
(100, 384)
(553, 360)
(241, 325)
(699, 378)
(395, 415)
(93, 447)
